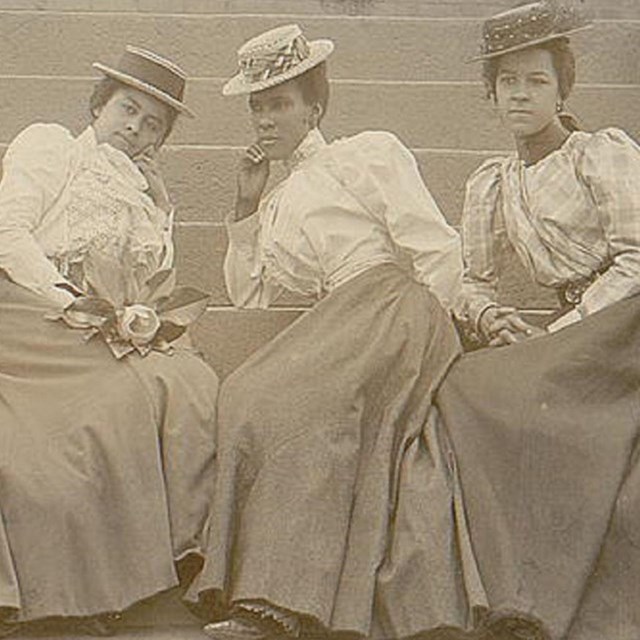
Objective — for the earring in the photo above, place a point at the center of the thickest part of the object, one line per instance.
(559, 106)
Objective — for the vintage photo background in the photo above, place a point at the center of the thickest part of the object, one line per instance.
(399, 65)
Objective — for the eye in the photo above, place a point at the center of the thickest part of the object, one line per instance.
(507, 81)
(153, 126)
(129, 109)
(255, 108)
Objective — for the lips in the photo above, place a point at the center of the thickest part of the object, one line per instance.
(268, 141)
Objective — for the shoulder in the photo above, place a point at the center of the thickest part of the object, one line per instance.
(373, 144)
(38, 142)
(605, 151)
(487, 175)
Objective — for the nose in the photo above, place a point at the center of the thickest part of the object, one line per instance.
(133, 124)
(519, 92)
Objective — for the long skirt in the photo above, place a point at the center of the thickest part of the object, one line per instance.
(335, 497)
(546, 437)
(106, 466)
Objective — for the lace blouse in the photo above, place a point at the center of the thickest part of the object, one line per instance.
(62, 198)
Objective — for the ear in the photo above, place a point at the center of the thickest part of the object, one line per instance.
(315, 115)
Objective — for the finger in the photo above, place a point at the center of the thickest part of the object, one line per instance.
(504, 311)
(255, 154)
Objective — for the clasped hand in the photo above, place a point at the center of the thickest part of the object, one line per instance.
(504, 325)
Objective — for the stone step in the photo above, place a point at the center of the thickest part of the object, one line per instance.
(409, 8)
(418, 49)
(426, 115)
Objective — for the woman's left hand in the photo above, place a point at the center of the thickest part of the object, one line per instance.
(148, 165)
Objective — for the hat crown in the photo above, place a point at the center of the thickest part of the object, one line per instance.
(153, 69)
(530, 23)
(273, 53)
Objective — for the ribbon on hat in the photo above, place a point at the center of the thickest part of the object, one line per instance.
(262, 65)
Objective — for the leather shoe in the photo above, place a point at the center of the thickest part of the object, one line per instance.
(236, 629)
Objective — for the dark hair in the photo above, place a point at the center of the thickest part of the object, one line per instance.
(314, 86)
(103, 92)
(562, 58)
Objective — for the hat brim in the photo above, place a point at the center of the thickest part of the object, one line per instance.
(531, 43)
(144, 87)
(319, 51)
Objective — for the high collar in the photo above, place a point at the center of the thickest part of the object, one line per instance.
(119, 160)
(310, 145)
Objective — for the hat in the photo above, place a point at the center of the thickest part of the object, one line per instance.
(152, 74)
(529, 25)
(274, 57)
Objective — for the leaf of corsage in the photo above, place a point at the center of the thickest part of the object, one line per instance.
(184, 306)
(168, 332)
(87, 312)
(159, 286)
(105, 275)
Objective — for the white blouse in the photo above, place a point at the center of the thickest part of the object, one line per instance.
(344, 208)
(61, 197)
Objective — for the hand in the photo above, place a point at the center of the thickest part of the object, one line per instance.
(503, 326)
(253, 173)
(148, 165)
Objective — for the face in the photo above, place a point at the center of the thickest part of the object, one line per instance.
(281, 119)
(527, 91)
(131, 121)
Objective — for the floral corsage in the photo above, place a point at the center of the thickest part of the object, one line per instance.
(131, 312)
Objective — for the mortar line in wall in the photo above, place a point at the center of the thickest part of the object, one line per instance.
(224, 147)
(278, 16)
(343, 81)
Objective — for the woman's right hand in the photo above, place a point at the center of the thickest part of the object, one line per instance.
(253, 173)
(503, 325)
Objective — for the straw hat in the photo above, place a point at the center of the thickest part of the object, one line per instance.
(529, 25)
(274, 57)
(152, 74)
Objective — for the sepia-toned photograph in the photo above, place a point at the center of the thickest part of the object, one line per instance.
(320, 319)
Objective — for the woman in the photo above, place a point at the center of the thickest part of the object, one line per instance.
(545, 430)
(332, 505)
(107, 442)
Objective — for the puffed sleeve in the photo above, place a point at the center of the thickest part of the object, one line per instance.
(34, 173)
(243, 271)
(480, 277)
(412, 216)
(610, 167)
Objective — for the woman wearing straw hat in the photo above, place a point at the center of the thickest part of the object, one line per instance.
(333, 500)
(106, 421)
(554, 505)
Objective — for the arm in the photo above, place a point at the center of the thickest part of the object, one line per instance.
(243, 265)
(481, 315)
(414, 220)
(34, 169)
(610, 167)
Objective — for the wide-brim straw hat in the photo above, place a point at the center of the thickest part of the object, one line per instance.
(274, 57)
(151, 74)
(529, 25)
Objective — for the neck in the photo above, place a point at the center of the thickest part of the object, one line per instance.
(533, 148)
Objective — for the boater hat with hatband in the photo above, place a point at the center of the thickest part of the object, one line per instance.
(274, 57)
(152, 74)
(529, 25)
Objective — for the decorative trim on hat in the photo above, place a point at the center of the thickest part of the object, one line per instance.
(152, 74)
(529, 25)
(274, 57)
